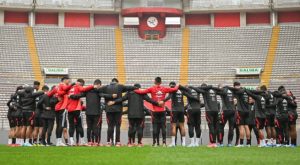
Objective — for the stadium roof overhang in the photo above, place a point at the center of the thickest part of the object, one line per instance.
(140, 11)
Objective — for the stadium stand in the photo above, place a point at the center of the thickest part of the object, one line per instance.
(214, 53)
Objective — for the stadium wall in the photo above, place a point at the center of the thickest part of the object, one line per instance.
(227, 19)
(16, 17)
(289, 17)
(106, 20)
(258, 18)
(77, 20)
(197, 19)
(46, 18)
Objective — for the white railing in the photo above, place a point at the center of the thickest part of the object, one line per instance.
(77, 3)
(17, 2)
(197, 4)
(286, 2)
(151, 3)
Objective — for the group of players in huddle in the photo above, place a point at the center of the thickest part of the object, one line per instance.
(32, 113)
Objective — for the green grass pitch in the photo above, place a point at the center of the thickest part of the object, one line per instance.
(147, 155)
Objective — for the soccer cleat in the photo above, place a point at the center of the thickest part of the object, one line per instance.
(130, 145)
(118, 144)
(108, 144)
(196, 145)
(220, 145)
(279, 145)
(140, 145)
(239, 146)
(212, 145)
(171, 145)
(164, 145)
(229, 145)
(293, 146)
(155, 145)
(60, 144)
(191, 145)
(248, 145)
(27, 145)
(90, 144)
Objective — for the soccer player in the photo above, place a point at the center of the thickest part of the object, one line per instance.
(114, 112)
(158, 94)
(12, 107)
(211, 110)
(227, 114)
(136, 114)
(252, 121)
(270, 116)
(37, 123)
(260, 116)
(281, 120)
(177, 112)
(243, 113)
(74, 109)
(60, 92)
(46, 104)
(28, 103)
(93, 112)
(293, 116)
(19, 118)
(194, 117)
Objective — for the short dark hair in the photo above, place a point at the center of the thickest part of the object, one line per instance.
(203, 85)
(45, 88)
(81, 81)
(281, 87)
(263, 88)
(65, 78)
(54, 86)
(115, 80)
(137, 85)
(36, 83)
(236, 83)
(172, 83)
(97, 81)
(158, 80)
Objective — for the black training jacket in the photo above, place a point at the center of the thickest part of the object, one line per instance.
(46, 104)
(28, 98)
(115, 88)
(209, 96)
(227, 99)
(135, 104)
(93, 100)
(259, 105)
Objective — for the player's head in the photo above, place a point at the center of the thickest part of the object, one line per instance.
(36, 85)
(263, 88)
(98, 83)
(115, 80)
(234, 101)
(66, 80)
(80, 82)
(281, 89)
(237, 84)
(203, 85)
(28, 89)
(251, 100)
(137, 85)
(54, 86)
(172, 84)
(157, 81)
(45, 88)
(289, 93)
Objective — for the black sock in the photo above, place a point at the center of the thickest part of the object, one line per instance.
(66, 141)
(294, 141)
(13, 140)
(30, 141)
(248, 141)
(40, 140)
(241, 141)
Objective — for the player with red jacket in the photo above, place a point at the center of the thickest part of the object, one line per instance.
(60, 92)
(158, 94)
(74, 109)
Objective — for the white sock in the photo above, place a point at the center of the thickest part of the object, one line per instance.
(82, 140)
(173, 140)
(197, 140)
(183, 141)
(71, 140)
(9, 141)
(58, 140)
(26, 140)
(192, 141)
